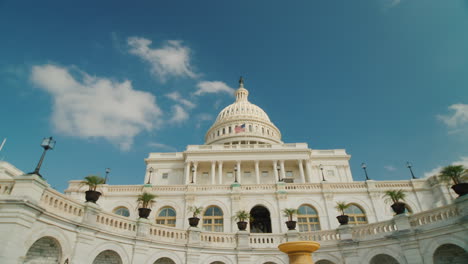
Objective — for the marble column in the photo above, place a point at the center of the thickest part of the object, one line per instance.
(301, 171)
(220, 172)
(275, 170)
(308, 171)
(195, 166)
(187, 172)
(238, 164)
(257, 172)
(213, 172)
(283, 173)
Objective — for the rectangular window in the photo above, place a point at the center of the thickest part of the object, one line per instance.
(165, 175)
(229, 174)
(205, 174)
(247, 174)
(265, 173)
(330, 173)
(230, 128)
(289, 174)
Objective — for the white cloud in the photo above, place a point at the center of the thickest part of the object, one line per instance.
(94, 107)
(179, 115)
(458, 120)
(172, 59)
(463, 161)
(213, 87)
(202, 118)
(390, 168)
(178, 98)
(162, 146)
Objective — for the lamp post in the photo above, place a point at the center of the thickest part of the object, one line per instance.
(278, 168)
(321, 169)
(409, 165)
(47, 143)
(107, 174)
(193, 173)
(235, 173)
(150, 170)
(364, 167)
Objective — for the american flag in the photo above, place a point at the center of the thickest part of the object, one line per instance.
(240, 128)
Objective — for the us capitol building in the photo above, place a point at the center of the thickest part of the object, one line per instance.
(243, 165)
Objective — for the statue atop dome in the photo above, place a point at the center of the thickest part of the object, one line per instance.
(241, 82)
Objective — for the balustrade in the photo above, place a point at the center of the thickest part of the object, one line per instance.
(6, 186)
(266, 240)
(116, 223)
(432, 216)
(215, 239)
(60, 204)
(371, 230)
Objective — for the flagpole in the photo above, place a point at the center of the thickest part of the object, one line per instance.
(3, 143)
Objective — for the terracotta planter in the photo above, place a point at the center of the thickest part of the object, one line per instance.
(343, 219)
(398, 208)
(144, 212)
(291, 225)
(92, 196)
(461, 189)
(242, 225)
(193, 221)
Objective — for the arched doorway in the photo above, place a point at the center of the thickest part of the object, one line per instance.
(45, 250)
(450, 253)
(383, 259)
(324, 261)
(108, 257)
(164, 261)
(261, 220)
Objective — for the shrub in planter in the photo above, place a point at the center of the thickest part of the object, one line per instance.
(454, 173)
(145, 200)
(396, 196)
(195, 210)
(241, 217)
(93, 181)
(342, 219)
(290, 212)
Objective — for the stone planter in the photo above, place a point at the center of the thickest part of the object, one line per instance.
(343, 219)
(144, 212)
(460, 189)
(291, 225)
(398, 208)
(242, 225)
(92, 196)
(193, 221)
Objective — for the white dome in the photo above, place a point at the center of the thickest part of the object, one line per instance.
(243, 122)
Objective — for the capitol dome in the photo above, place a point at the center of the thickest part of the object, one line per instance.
(243, 123)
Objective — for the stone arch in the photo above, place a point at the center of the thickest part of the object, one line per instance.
(131, 207)
(217, 260)
(324, 261)
(110, 246)
(450, 254)
(108, 257)
(45, 250)
(164, 260)
(431, 246)
(54, 232)
(320, 210)
(389, 250)
(326, 258)
(270, 259)
(383, 259)
(164, 254)
(262, 202)
(364, 205)
(226, 212)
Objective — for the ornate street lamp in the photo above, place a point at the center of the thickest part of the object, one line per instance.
(364, 167)
(235, 173)
(409, 165)
(278, 168)
(108, 170)
(321, 169)
(150, 170)
(193, 173)
(47, 143)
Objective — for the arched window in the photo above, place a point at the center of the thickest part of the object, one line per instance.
(164, 261)
(383, 259)
(108, 256)
(449, 253)
(44, 250)
(307, 219)
(213, 219)
(356, 215)
(166, 216)
(123, 211)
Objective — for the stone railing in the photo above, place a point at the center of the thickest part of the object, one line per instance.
(435, 215)
(374, 229)
(258, 187)
(62, 205)
(266, 240)
(167, 234)
(116, 223)
(6, 186)
(324, 235)
(216, 239)
(169, 188)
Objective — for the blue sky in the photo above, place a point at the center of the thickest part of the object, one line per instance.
(112, 80)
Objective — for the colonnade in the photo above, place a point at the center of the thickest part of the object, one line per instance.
(216, 171)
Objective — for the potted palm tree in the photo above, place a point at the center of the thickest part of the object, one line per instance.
(145, 200)
(454, 173)
(290, 212)
(93, 181)
(195, 210)
(342, 206)
(241, 217)
(396, 196)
